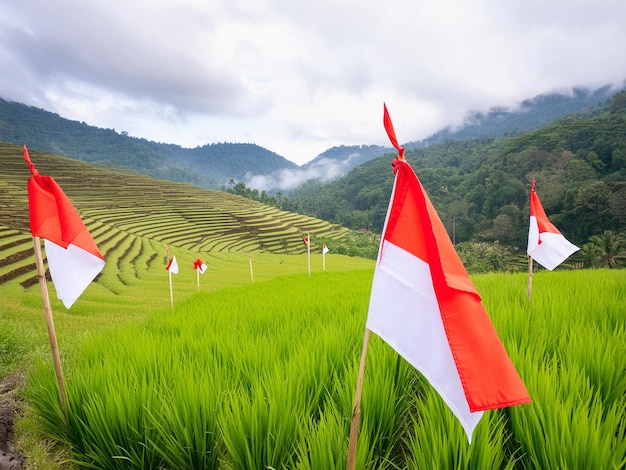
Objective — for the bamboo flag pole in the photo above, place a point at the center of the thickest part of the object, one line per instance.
(529, 290)
(172, 268)
(251, 272)
(356, 410)
(171, 291)
(308, 251)
(323, 260)
(41, 274)
(198, 278)
(167, 251)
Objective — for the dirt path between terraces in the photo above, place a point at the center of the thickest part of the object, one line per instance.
(10, 459)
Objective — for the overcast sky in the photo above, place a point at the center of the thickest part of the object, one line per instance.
(300, 76)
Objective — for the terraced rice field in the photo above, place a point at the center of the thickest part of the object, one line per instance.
(134, 217)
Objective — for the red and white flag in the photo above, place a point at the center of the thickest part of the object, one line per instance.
(73, 257)
(325, 249)
(199, 266)
(425, 306)
(546, 244)
(306, 240)
(172, 266)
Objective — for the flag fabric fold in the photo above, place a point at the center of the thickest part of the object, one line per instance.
(546, 244)
(199, 266)
(425, 306)
(172, 266)
(73, 257)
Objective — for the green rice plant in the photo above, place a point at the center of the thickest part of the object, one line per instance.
(42, 393)
(109, 426)
(261, 428)
(188, 436)
(600, 352)
(124, 414)
(437, 440)
(113, 432)
(388, 392)
(12, 348)
(325, 443)
(317, 378)
(566, 426)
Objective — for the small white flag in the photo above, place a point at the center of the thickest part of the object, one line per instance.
(172, 266)
(546, 244)
(199, 266)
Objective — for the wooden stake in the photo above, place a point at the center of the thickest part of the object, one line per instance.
(251, 272)
(356, 410)
(198, 278)
(308, 252)
(41, 274)
(171, 291)
(529, 290)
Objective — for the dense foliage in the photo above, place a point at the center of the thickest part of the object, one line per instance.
(480, 187)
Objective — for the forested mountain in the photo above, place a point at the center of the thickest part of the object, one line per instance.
(209, 166)
(480, 187)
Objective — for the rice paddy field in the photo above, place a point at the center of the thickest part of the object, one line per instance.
(263, 376)
(259, 372)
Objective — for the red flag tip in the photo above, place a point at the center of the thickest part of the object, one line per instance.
(391, 133)
(31, 165)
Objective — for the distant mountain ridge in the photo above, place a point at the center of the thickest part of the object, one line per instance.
(530, 115)
(216, 165)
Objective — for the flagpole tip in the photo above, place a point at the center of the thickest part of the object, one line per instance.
(391, 133)
(31, 165)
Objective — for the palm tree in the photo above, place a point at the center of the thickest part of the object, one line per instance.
(591, 254)
(611, 249)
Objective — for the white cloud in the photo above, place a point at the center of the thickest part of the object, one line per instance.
(299, 77)
(324, 169)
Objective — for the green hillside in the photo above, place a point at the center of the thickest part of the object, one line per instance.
(480, 187)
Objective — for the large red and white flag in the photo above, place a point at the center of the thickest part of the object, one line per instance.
(425, 306)
(73, 257)
(546, 244)
(325, 249)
